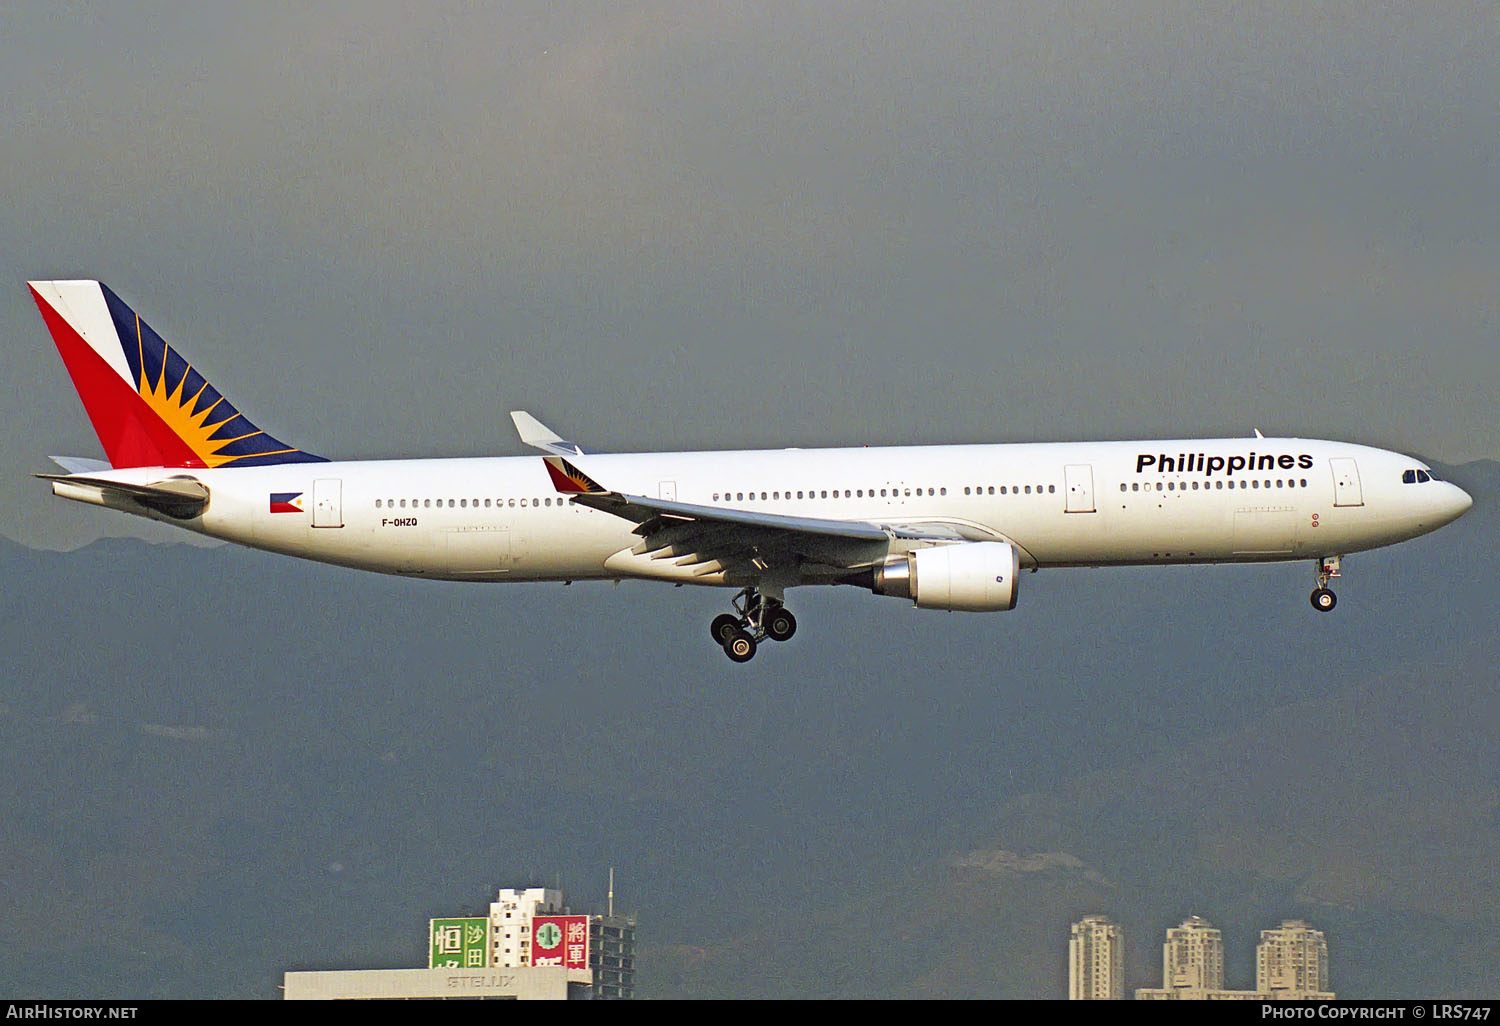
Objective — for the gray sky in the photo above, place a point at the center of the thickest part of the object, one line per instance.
(377, 227)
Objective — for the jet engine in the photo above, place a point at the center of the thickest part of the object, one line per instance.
(977, 577)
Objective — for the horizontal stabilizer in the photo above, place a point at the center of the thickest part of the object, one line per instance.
(181, 498)
(80, 464)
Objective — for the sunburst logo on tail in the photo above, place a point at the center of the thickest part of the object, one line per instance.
(191, 416)
(569, 480)
(195, 411)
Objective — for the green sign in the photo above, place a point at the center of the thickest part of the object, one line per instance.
(459, 944)
(549, 935)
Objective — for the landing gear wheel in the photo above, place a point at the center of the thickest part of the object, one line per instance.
(1323, 600)
(740, 647)
(780, 625)
(723, 628)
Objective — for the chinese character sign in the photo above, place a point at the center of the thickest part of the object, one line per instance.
(560, 940)
(459, 944)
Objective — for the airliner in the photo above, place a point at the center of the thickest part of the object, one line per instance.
(948, 527)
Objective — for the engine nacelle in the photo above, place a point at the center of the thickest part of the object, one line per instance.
(977, 577)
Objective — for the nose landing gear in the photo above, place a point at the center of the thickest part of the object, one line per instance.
(759, 617)
(1322, 598)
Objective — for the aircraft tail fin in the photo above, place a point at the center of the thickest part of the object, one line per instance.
(149, 407)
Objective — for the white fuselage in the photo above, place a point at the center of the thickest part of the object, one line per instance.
(1061, 504)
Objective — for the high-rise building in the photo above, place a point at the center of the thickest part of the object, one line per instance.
(510, 922)
(1291, 965)
(612, 956)
(1096, 960)
(1292, 961)
(1193, 957)
(530, 945)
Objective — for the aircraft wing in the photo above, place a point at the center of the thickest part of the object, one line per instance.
(715, 538)
(181, 498)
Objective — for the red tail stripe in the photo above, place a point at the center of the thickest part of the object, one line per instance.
(130, 431)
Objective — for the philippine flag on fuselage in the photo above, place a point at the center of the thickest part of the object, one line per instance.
(286, 502)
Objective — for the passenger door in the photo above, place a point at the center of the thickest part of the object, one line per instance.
(1078, 478)
(328, 502)
(1346, 490)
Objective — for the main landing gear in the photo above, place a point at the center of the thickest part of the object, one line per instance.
(759, 617)
(1322, 599)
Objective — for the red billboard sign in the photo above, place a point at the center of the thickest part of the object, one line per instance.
(560, 940)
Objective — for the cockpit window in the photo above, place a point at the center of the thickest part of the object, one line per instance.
(1417, 476)
(1408, 477)
(1423, 477)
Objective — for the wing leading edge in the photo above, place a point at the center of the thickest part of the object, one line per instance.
(710, 539)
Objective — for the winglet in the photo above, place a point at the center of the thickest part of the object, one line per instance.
(569, 480)
(539, 436)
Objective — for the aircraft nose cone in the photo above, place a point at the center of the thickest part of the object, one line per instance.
(1458, 502)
